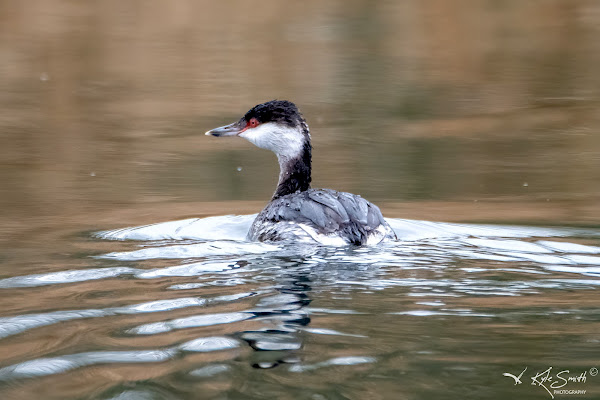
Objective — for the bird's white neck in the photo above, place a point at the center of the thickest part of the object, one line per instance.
(293, 149)
(287, 142)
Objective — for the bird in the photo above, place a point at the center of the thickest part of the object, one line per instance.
(297, 212)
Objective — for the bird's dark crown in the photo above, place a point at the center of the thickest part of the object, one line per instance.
(279, 111)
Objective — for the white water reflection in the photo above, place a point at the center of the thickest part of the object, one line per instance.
(216, 248)
(228, 227)
(55, 365)
(421, 242)
(71, 276)
(235, 228)
(20, 323)
(188, 269)
(189, 322)
(351, 360)
(427, 246)
(567, 247)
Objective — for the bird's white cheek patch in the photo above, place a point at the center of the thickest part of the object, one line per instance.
(282, 140)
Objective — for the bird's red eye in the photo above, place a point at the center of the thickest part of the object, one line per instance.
(253, 123)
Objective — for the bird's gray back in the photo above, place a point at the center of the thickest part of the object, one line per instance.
(322, 212)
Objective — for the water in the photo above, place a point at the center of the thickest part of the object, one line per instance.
(188, 308)
(124, 274)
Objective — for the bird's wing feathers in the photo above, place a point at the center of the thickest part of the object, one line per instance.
(329, 212)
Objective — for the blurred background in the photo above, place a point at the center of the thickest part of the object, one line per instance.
(437, 110)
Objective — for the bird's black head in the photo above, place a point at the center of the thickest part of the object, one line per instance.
(278, 111)
(276, 125)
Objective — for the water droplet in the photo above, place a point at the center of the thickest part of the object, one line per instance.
(239, 169)
(44, 77)
(92, 173)
(525, 184)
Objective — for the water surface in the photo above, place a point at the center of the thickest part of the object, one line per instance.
(190, 307)
(124, 273)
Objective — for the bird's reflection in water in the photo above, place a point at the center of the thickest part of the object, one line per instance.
(282, 314)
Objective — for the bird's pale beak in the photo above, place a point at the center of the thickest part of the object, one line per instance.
(227, 130)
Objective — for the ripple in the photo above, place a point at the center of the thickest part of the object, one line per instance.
(338, 361)
(50, 366)
(20, 323)
(137, 394)
(483, 256)
(423, 245)
(193, 250)
(591, 260)
(270, 340)
(323, 331)
(55, 365)
(193, 269)
(331, 311)
(511, 245)
(209, 344)
(430, 313)
(418, 230)
(228, 227)
(540, 258)
(190, 322)
(592, 271)
(160, 305)
(71, 276)
(210, 370)
(567, 247)
(235, 228)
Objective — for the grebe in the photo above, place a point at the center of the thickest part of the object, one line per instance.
(297, 212)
